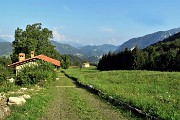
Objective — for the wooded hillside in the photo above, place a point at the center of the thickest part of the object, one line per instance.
(162, 56)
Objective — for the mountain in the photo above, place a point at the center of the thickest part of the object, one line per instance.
(164, 55)
(97, 50)
(5, 48)
(2, 40)
(169, 44)
(91, 53)
(66, 49)
(142, 42)
(73, 44)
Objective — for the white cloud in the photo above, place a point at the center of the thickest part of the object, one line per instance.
(58, 36)
(107, 29)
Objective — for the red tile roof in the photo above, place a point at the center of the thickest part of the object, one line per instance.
(40, 57)
(48, 59)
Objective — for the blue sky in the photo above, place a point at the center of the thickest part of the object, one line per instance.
(91, 22)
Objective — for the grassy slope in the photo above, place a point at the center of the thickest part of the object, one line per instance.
(156, 93)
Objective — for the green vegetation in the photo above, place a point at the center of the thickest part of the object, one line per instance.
(162, 56)
(74, 60)
(34, 107)
(40, 73)
(156, 93)
(33, 38)
(5, 48)
(61, 99)
(74, 103)
(65, 62)
(5, 73)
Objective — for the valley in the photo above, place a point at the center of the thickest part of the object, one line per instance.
(128, 84)
(90, 60)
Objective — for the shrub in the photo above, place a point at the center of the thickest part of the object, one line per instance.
(3, 73)
(34, 74)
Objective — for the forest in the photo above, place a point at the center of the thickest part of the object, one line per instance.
(161, 56)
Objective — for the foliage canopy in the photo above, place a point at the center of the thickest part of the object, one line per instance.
(33, 38)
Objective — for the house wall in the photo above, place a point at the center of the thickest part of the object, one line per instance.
(85, 65)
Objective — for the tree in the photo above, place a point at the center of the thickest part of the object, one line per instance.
(65, 62)
(177, 67)
(137, 59)
(5, 61)
(33, 38)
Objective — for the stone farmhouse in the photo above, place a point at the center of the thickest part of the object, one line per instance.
(32, 61)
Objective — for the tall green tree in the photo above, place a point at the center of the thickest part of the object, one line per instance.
(33, 38)
(137, 59)
(65, 62)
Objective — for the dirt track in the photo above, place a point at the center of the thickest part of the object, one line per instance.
(73, 103)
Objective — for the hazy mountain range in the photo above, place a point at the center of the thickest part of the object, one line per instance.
(5, 48)
(142, 42)
(85, 52)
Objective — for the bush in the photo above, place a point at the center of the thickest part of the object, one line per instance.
(35, 74)
(3, 73)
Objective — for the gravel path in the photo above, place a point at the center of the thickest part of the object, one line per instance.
(73, 103)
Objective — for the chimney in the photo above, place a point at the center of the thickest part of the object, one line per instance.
(21, 57)
(32, 54)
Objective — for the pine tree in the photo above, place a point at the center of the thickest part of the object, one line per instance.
(137, 59)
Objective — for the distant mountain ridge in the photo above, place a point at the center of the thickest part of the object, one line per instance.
(66, 48)
(97, 50)
(5, 48)
(92, 53)
(168, 44)
(73, 44)
(142, 42)
(2, 40)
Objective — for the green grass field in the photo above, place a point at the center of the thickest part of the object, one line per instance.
(156, 93)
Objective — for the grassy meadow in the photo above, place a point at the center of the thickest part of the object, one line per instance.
(156, 93)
